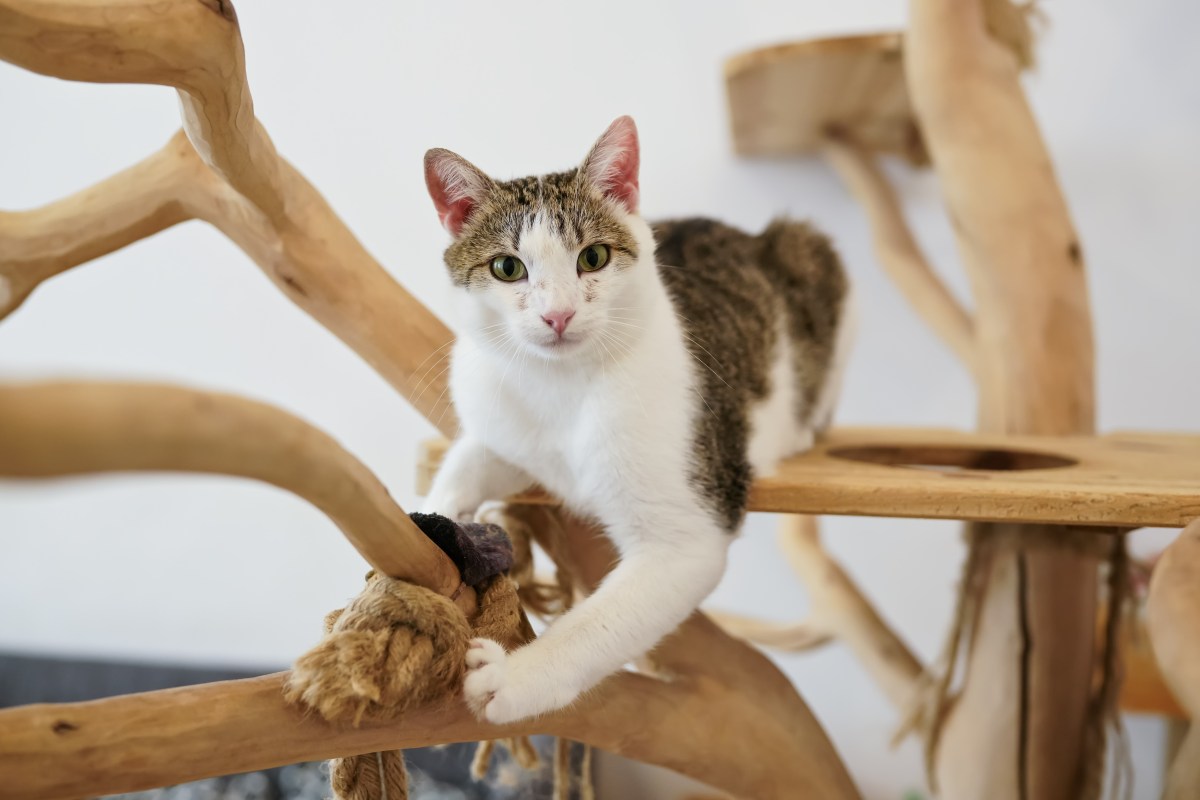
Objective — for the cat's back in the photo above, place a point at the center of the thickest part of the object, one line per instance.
(764, 316)
(737, 292)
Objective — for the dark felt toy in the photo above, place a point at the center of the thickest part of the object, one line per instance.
(478, 550)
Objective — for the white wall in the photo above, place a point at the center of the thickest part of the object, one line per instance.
(215, 570)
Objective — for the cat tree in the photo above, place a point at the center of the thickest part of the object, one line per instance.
(1048, 498)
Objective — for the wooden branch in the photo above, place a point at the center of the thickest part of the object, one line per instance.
(273, 214)
(897, 249)
(1035, 375)
(102, 747)
(54, 429)
(1011, 223)
(133, 204)
(1173, 621)
(49, 752)
(251, 194)
(789, 637)
(842, 608)
(840, 612)
(700, 653)
(192, 45)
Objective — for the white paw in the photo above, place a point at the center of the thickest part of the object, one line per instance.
(503, 688)
(486, 663)
(451, 506)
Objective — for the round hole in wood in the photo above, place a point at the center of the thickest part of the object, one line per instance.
(950, 458)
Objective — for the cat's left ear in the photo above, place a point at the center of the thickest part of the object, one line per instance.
(612, 166)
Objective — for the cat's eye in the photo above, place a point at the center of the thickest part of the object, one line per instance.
(593, 258)
(508, 268)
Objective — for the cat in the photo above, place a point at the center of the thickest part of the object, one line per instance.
(640, 374)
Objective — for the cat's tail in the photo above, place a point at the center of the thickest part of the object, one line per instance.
(817, 296)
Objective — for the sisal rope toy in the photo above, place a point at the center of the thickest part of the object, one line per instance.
(398, 646)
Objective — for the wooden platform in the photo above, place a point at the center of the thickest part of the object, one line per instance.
(1127, 480)
(782, 99)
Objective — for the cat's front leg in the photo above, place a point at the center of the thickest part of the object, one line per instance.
(659, 582)
(470, 474)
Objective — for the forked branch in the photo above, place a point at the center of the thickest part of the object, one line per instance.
(229, 176)
(840, 612)
(897, 248)
(65, 429)
(150, 196)
(724, 707)
(53, 429)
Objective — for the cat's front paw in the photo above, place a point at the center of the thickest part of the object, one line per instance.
(486, 663)
(450, 505)
(500, 689)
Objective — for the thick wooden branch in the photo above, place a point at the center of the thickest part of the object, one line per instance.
(251, 194)
(191, 45)
(696, 726)
(897, 249)
(1173, 621)
(55, 429)
(1011, 222)
(1035, 375)
(101, 747)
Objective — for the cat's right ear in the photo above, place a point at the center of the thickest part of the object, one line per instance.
(457, 187)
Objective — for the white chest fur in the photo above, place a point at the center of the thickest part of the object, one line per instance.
(602, 435)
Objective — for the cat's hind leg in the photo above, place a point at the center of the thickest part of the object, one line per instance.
(659, 582)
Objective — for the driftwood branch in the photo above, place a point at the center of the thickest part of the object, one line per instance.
(724, 707)
(840, 612)
(1173, 621)
(897, 248)
(692, 725)
(1036, 606)
(138, 202)
(226, 172)
(57, 429)
(719, 712)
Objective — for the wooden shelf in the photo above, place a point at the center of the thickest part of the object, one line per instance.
(1120, 480)
(782, 99)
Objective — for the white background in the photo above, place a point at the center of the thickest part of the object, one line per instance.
(187, 569)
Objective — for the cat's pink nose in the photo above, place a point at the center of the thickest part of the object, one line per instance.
(558, 320)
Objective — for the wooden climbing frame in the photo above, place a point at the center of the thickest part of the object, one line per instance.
(1035, 403)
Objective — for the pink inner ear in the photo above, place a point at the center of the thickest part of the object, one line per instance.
(454, 215)
(626, 194)
(452, 210)
(613, 166)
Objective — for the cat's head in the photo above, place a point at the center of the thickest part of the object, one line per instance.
(553, 264)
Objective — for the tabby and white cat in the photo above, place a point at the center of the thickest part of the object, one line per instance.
(640, 374)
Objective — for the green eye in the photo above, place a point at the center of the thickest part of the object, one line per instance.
(593, 258)
(508, 268)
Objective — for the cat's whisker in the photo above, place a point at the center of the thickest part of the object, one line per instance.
(432, 354)
(632, 383)
(623, 320)
(428, 382)
(429, 379)
(624, 347)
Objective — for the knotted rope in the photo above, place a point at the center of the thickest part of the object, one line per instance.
(398, 646)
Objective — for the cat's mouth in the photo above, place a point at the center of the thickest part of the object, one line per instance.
(558, 346)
